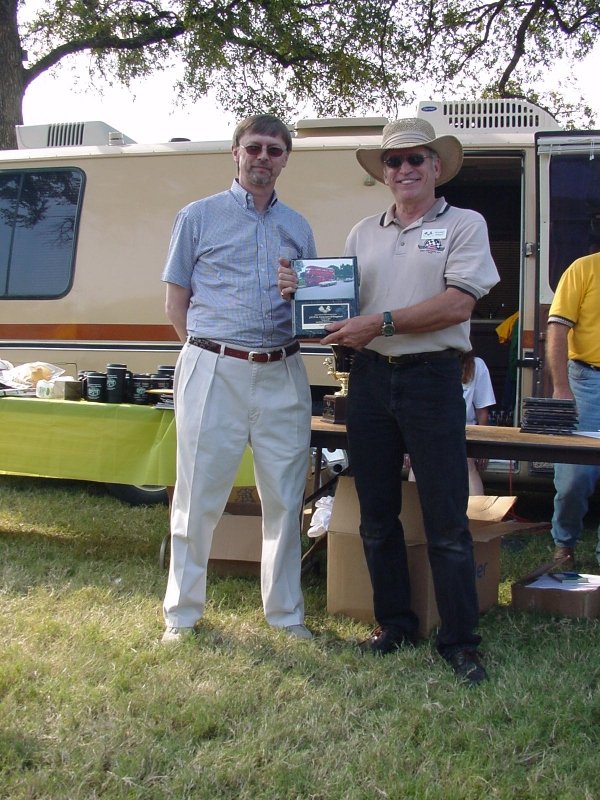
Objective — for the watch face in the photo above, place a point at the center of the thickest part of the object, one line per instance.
(388, 329)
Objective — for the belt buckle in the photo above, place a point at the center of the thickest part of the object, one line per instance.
(253, 354)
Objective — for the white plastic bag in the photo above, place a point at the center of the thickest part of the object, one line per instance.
(320, 519)
(28, 375)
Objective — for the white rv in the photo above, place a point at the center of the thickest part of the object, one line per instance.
(86, 215)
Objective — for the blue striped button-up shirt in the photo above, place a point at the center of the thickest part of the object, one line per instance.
(227, 254)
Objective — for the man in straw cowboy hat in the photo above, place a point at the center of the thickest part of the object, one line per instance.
(423, 266)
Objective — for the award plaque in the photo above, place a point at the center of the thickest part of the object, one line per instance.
(334, 405)
(327, 292)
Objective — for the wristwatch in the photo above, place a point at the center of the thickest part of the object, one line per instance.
(388, 329)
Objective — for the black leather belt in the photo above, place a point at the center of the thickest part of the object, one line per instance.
(585, 364)
(410, 358)
(247, 355)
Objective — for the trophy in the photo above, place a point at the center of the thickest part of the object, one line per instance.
(334, 405)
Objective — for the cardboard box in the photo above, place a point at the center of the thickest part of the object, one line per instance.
(583, 603)
(348, 584)
(67, 389)
(237, 546)
(237, 541)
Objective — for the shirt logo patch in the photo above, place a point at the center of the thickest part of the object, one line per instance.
(431, 246)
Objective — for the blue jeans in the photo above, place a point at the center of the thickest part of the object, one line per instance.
(419, 409)
(575, 483)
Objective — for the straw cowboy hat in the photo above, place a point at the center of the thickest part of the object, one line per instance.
(413, 132)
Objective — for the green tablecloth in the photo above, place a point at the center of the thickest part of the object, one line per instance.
(92, 441)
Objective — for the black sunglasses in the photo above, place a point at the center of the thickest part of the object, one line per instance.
(256, 149)
(414, 159)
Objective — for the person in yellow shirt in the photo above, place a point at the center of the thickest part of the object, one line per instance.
(573, 357)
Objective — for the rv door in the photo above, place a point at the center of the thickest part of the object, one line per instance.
(568, 212)
(568, 202)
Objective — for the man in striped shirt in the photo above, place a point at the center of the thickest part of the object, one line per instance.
(240, 379)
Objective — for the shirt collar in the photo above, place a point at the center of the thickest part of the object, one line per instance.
(436, 210)
(245, 198)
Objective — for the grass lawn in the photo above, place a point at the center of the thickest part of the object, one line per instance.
(92, 706)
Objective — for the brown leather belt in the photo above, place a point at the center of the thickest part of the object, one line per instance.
(247, 355)
(410, 358)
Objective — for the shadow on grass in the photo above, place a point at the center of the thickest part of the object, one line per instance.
(17, 752)
(55, 534)
(56, 530)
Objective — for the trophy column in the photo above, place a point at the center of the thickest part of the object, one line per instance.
(334, 405)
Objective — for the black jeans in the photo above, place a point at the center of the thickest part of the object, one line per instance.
(419, 409)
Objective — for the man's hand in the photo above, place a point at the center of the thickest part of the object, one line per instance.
(562, 393)
(355, 332)
(287, 280)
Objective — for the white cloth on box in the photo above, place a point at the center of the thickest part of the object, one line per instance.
(319, 523)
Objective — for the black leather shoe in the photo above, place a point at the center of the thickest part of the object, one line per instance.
(385, 640)
(467, 665)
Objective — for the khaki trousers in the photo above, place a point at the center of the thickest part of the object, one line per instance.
(223, 404)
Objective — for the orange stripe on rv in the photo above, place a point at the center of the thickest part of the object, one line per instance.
(527, 339)
(72, 332)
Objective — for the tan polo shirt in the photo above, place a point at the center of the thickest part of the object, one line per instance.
(400, 267)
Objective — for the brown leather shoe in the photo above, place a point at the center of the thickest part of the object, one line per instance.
(565, 556)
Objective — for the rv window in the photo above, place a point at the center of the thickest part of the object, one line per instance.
(39, 215)
(574, 210)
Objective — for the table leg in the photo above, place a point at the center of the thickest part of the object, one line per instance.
(165, 547)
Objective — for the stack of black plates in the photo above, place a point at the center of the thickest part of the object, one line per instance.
(546, 415)
(165, 398)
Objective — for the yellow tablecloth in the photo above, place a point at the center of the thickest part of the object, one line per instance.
(102, 442)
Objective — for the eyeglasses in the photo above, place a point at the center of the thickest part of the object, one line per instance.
(414, 159)
(256, 149)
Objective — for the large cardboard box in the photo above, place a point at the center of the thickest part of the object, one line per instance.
(237, 541)
(538, 592)
(237, 545)
(348, 584)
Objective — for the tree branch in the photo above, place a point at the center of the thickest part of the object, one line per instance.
(519, 49)
(102, 42)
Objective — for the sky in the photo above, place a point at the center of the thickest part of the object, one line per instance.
(148, 113)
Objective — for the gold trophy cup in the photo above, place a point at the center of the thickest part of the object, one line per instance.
(334, 405)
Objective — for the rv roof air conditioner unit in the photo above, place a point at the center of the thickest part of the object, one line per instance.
(69, 134)
(494, 116)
